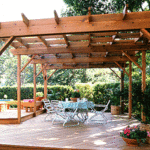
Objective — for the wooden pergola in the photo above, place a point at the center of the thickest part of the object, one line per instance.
(91, 41)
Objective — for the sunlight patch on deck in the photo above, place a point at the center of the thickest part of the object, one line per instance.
(48, 139)
(99, 142)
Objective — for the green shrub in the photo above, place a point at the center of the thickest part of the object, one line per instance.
(85, 90)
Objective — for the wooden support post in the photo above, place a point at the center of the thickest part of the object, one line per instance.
(121, 89)
(143, 79)
(19, 88)
(45, 84)
(130, 89)
(34, 91)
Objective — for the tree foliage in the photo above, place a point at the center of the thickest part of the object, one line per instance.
(80, 7)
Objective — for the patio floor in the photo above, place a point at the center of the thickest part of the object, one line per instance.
(13, 113)
(37, 132)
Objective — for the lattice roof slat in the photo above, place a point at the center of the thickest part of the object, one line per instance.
(78, 40)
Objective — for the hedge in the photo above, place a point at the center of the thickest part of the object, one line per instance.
(27, 92)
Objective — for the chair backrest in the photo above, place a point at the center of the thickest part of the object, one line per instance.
(55, 102)
(106, 107)
(47, 105)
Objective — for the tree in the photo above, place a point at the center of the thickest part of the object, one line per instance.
(80, 7)
(134, 5)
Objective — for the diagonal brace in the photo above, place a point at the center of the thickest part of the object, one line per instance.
(115, 73)
(146, 33)
(133, 60)
(5, 46)
(42, 70)
(121, 68)
(51, 74)
(27, 63)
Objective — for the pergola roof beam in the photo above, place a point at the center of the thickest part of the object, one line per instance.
(125, 11)
(68, 25)
(89, 15)
(43, 41)
(108, 48)
(56, 17)
(85, 60)
(20, 41)
(65, 39)
(25, 19)
(83, 66)
(5, 46)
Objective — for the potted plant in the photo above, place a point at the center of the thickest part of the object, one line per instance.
(74, 95)
(134, 136)
(115, 108)
(39, 96)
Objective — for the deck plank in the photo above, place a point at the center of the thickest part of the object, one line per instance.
(40, 133)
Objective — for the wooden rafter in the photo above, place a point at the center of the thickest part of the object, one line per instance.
(77, 24)
(12, 44)
(27, 63)
(89, 15)
(132, 60)
(25, 19)
(145, 33)
(85, 60)
(41, 70)
(113, 39)
(43, 40)
(89, 40)
(121, 68)
(51, 74)
(5, 46)
(75, 66)
(107, 48)
(56, 17)
(125, 11)
(115, 73)
(66, 41)
(20, 41)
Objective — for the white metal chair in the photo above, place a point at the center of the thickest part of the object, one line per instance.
(47, 106)
(99, 113)
(61, 114)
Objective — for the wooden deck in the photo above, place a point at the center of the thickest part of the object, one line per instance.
(43, 135)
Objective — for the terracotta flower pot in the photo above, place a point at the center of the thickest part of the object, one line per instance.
(115, 110)
(74, 99)
(39, 98)
(131, 142)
